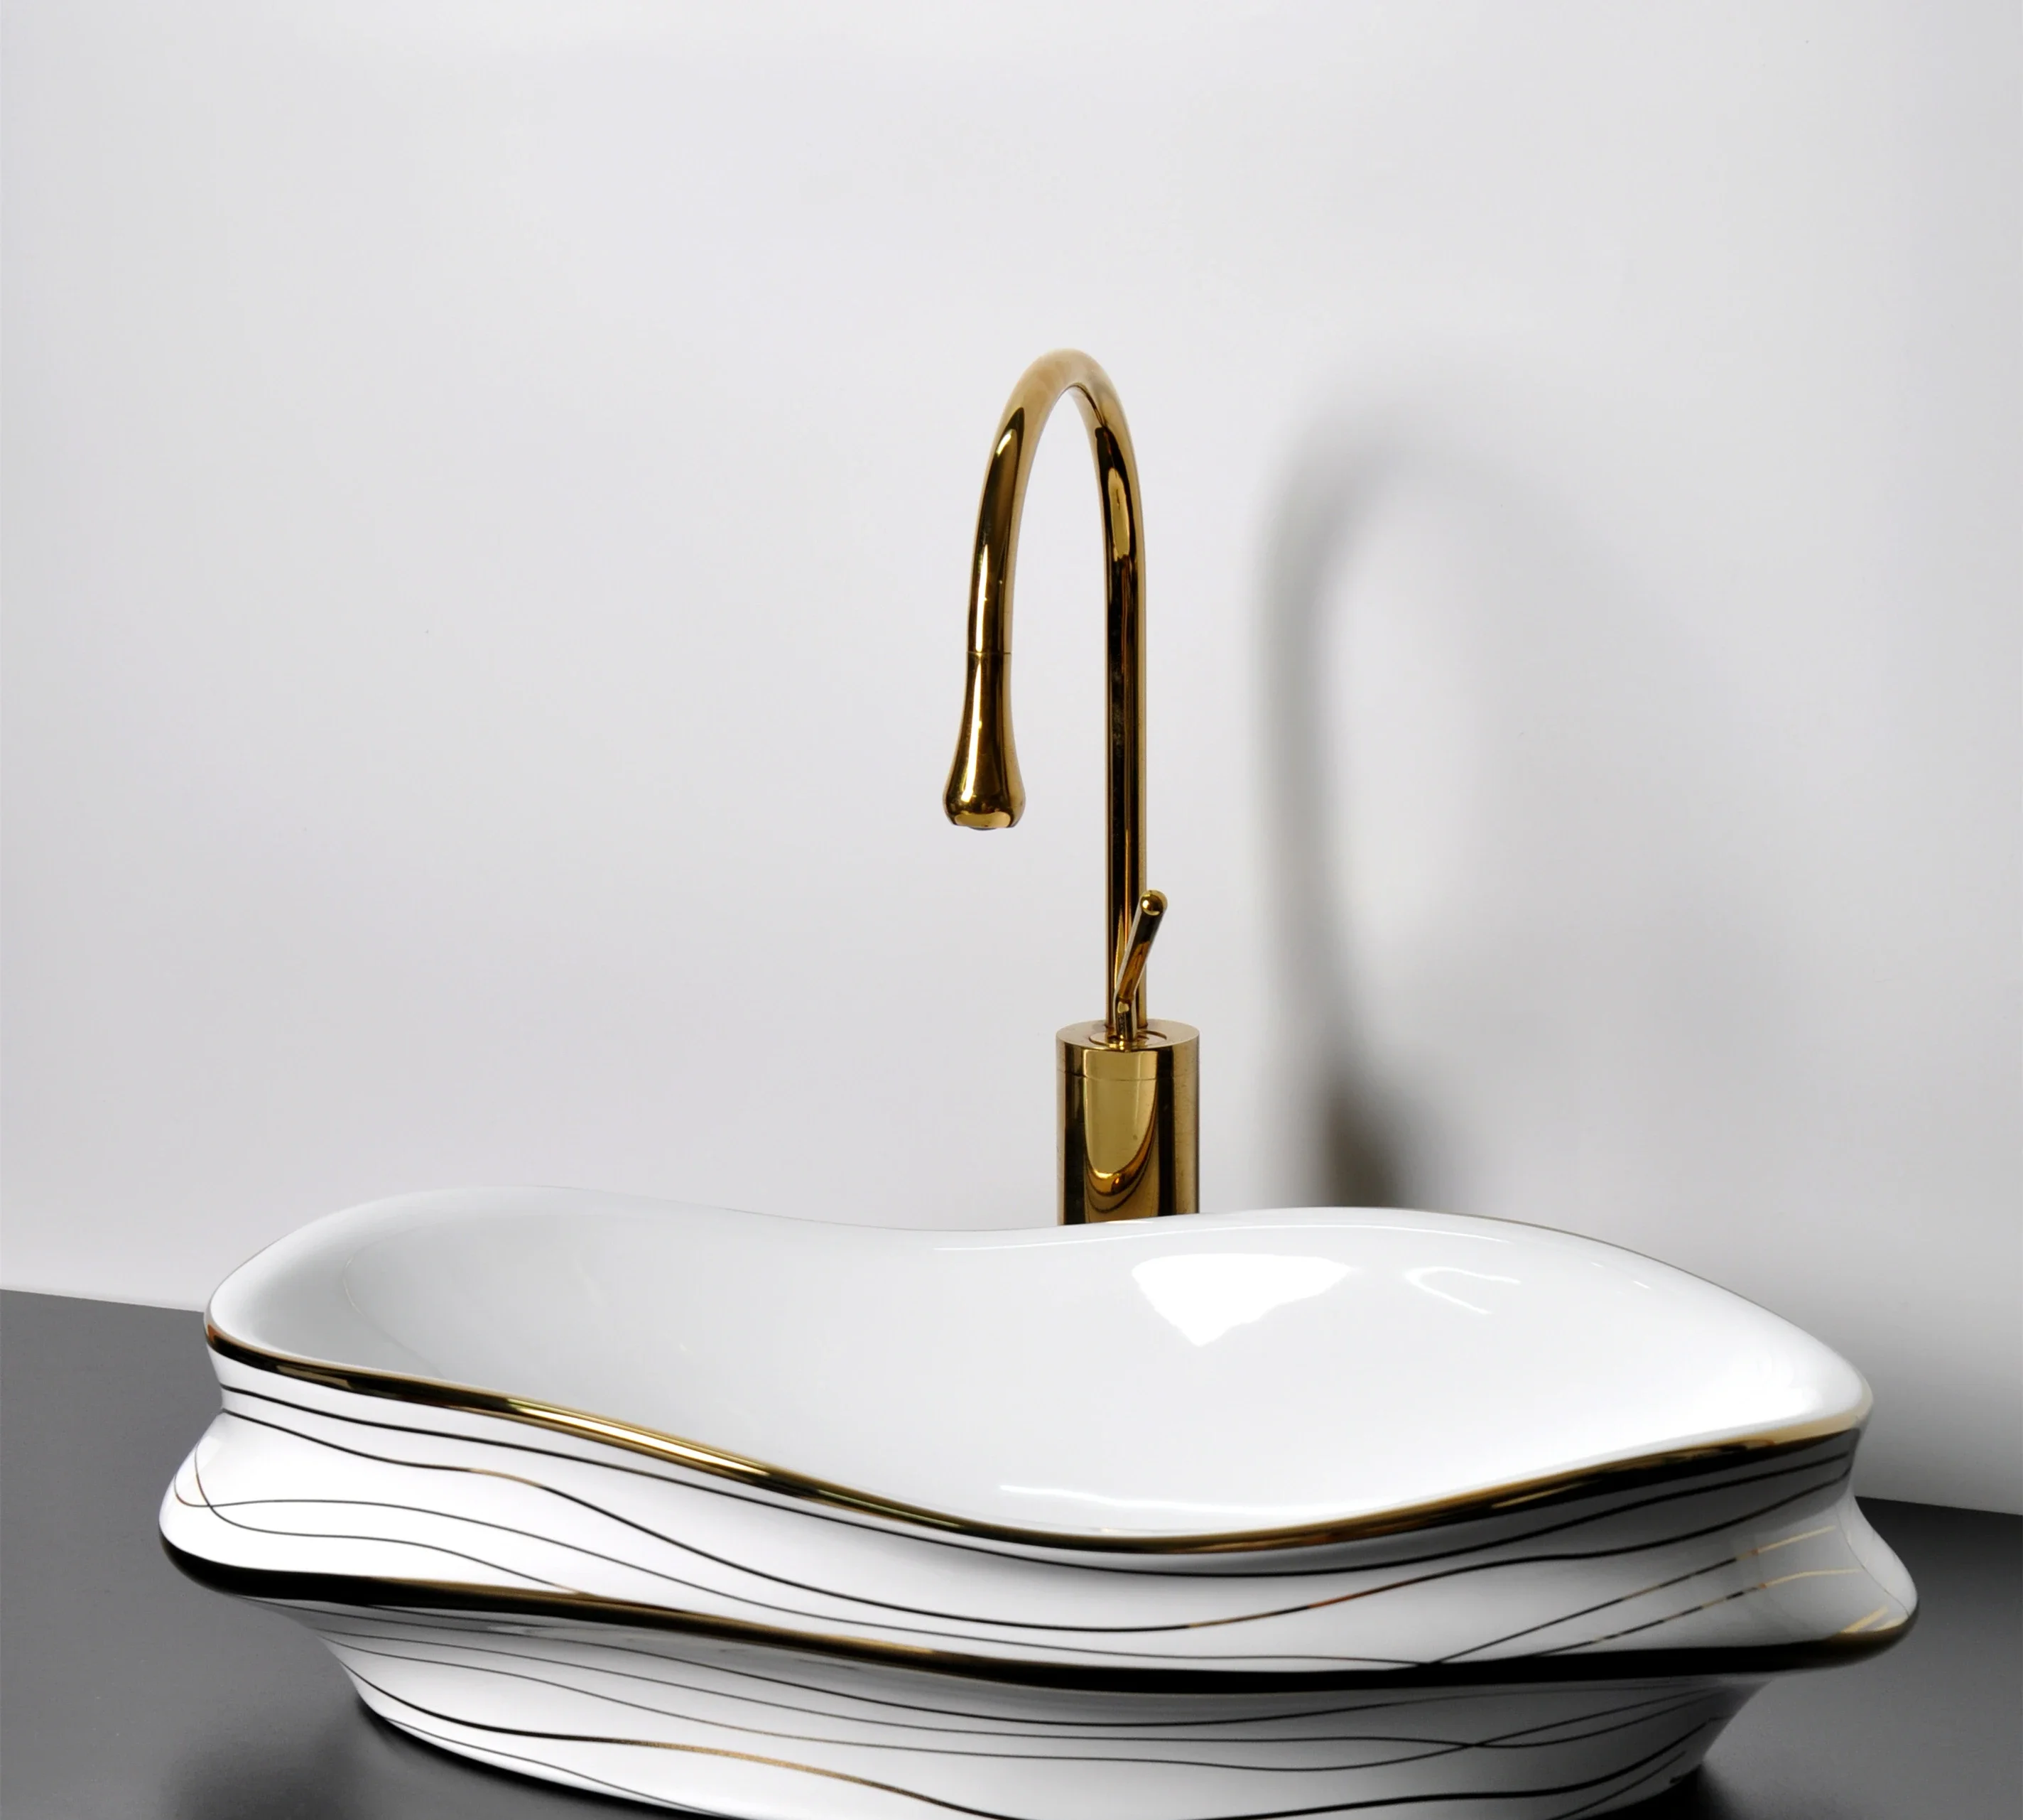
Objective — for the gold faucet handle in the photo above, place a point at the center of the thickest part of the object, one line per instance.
(1131, 969)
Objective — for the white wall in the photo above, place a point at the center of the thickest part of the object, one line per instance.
(487, 494)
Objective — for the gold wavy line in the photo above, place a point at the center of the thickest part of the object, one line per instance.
(718, 1463)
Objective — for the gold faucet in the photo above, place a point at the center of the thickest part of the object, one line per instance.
(1129, 1085)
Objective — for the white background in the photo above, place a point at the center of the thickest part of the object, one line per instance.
(487, 494)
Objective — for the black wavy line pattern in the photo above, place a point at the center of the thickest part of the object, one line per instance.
(438, 1624)
(206, 1504)
(492, 1754)
(218, 1508)
(1429, 1748)
(1834, 1448)
(502, 1604)
(1705, 1484)
(1600, 1789)
(1504, 1559)
(432, 1635)
(1727, 1523)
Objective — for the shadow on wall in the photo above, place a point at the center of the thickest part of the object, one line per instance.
(1357, 1152)
(1523, 973)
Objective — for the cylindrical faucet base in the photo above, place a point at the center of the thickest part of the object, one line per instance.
(1130, 1122)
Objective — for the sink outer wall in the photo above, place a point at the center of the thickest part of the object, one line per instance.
(587, 1607)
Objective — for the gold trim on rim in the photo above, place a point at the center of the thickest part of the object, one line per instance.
(1464, 1507)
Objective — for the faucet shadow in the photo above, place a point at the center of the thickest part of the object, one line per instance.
(1559, 778)
(1351, 1153)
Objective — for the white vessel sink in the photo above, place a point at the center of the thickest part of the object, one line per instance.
(1235, 1515)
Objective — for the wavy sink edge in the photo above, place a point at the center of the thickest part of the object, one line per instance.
(581, 1597)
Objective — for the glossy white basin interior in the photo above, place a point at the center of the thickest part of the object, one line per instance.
(1222, 1372)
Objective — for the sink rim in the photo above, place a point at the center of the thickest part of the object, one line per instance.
(1542, 1490)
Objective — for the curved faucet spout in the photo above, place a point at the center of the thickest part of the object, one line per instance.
(984, 788)
(1128, 1089)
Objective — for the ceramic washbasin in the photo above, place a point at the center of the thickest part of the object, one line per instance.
(1268, 1513)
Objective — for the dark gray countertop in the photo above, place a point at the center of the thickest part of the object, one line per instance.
(128, 1693)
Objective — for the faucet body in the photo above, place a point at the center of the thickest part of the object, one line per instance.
(1128, 1085)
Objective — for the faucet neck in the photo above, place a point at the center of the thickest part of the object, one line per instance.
(985, 790)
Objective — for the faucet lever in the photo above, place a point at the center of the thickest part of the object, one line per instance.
(1131, 969)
